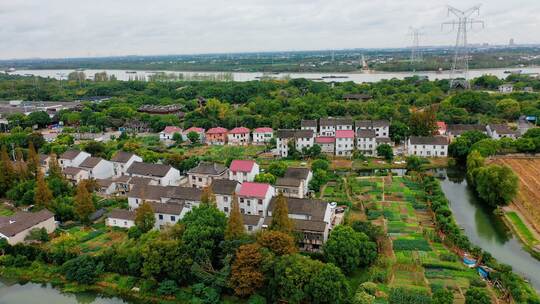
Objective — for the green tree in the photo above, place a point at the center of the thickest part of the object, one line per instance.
(193, 137)
(329, 285)
(385, 150)
(265, 178)
(443, 296)
(42, 194)
(496, 185)
(414, 163)
(84, 206)
(486, 147)
(422, 123)
(508, 108)
(349, 249)
(235, 224)
(398, 132)
(7, 172)
(279, 243)
(144, 217)
(277, 168)
(32, 160)
(474, 162)
(320, 164)
(280, 216)
(320, 177)
(83, 269)
(476, 295)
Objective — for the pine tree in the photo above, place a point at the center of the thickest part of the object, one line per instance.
(42, 194)
(32, 160)
(235, 224)
(84, 206)
(280, 216)
(54, 167)
(21, 168)
(208, 197)
(144, 217)
(7, 173)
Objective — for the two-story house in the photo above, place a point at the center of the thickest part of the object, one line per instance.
(294, 183)
(243, 170)
(72, 158)
(309, 125)
(262, 135)
(164, 175)
(97, 167)
(205, 172)
(224, 191)
(168, 133)
(254, 198)
(239, 136)
(436, 146)
(498, 131)
(216, 136)
(366, 141)
(327, 144)
(344, 142)
(381, 127)
(122, 160)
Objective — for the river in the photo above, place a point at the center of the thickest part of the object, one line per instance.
(31, 293)
(486, 230)
(246, 76)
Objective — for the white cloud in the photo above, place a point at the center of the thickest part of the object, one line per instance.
(68, 28)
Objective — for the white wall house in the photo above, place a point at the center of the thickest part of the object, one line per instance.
(205, 172)
(309, 125)
(327, 144)
(506, 88)
(344, 124)
(344, 142)
(164, 175)
(224, 191)
(239, 136)
(283, 137)
(498, 131)
(366, 141)
(436, 146)
(75, 174)
(17, 227)
(381, 127)
(243, 170)
(72, 158)
(262, 135)
(166, 214)
(120, 218)
(168, 133)
(304, 139)
(199, 131)
(327, 127)
(254, 198)
(122, 160)
(98, 167)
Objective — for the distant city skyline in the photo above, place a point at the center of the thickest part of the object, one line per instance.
(63, 28)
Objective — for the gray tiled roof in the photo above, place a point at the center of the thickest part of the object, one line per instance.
(208, 169)
(224, 186)
(122, 157)
(20, 221)
(314, 208)
(122, 214)
(427, 140)
(70, 154)
(366, 133)
(157, 170)
(309, 123)
(298, 173)
(288, 182)
(90, 162)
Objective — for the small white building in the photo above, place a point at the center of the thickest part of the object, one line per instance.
(283, 137)
(498, 131)
(17, 227)
(262, 136)
(168, 132)
(366, 142)
(344, 142)
(75, 174)
(304, 139)
(327, 127)
(436, 146)
(72, 158)
(166, 214)
(381, 127)
(294, 183)
(239, 136)
(120, 218)
(122, 160)
(205, 172)
(254, 198)
(98, 167)
(106, 187)
(243, 170)
(506, 88)
(224, 191)
(327, 144)
(309, 125)
(164, 175)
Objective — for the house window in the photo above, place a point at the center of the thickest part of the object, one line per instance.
(114, 222)
(225, 198)
(241, 200)
(260, 202)
(225, 209)
(173, 218)
(160, 216)
(125, 223)
(200, 179)
(242, 210)
(250, 228)
(248, 203)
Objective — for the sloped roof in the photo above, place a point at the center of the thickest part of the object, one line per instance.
(239, 130)
(429, 140)
(299, 173)
(20, 221)
(313, 208)
(71, 170)
(366, 133)
(90, 162)
(263, 130)
(122, 157)
(140, 168)
(122, 214)
(70, 154)
(285, 133)
(458, 129)
(217, 130)
(208, 169)
(242, 165)
(311, 123)
(251, 220)
(224, 186)
(303, 133)
(325, 140)
(194, 129)
(288, 182)
(166, 208)
(502, 129)
(258, 190)
(344, 134)
(172, 129)
(302, 225)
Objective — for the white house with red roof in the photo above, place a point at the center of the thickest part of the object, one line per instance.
(344, 142)
(168, 132)
(200, 131)
(262, 135)
(243, 170)
(254, 198)
(327, 144)
(239, 136)
(441, 128)
(216, 136)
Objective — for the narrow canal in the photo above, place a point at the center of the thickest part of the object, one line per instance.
(486, 230)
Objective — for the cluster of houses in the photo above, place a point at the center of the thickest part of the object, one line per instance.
(221, 136)
(172, 195)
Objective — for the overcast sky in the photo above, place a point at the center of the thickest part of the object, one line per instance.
(71, 28)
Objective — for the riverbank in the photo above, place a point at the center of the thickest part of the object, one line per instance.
(528, 237)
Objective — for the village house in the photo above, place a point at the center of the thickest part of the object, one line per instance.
(239, 136)
(216, 136)
(72, 158)
(329, 126)
(243, 170)
(304, 139)
(122, 160)
(124, 184)
(294, 183)
(254, 198)
(252, 223)
(344, 142)
(327, 144)
(506, 88)
(199, 131)
(97, 167)
(75, 174)
(436, 146)
(44, 161)
(164, 175)
(498, 131)
(366, 141)
(166, 214)
(262, 135)
(456, 130)
(17, 227)
(312, 218)
(441, 128)
(168, 133)
(381, 127)
(224, 191)
(205, 172)
(187, 197)
(106, 187)
(309, 125)
(301, 139)
(120, 218)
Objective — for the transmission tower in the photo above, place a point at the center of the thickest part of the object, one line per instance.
(416, 53)
(460, 64)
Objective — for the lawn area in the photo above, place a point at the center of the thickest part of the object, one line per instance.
(5, 210)
(521, 228)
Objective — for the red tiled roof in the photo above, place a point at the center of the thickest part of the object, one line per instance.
(217, 130)
(325, 140)
(194, 129)
(239, 130)
(172, 129)
(253, 190)
(264, 130)
(242, 165)
(344, 134)
(441, 125)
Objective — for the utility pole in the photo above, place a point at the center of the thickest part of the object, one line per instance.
(460, 63)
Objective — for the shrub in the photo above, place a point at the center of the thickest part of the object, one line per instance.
(362, 297)
(368, 287)
(476, 295)
(167, 288)
(83, 269)
(406, 296)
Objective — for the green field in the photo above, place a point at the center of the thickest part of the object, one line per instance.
(521, 228)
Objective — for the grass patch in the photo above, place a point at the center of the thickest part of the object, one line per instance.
(521, 228)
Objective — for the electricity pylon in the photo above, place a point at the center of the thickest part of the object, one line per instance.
(460, 64)
(416, 53)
